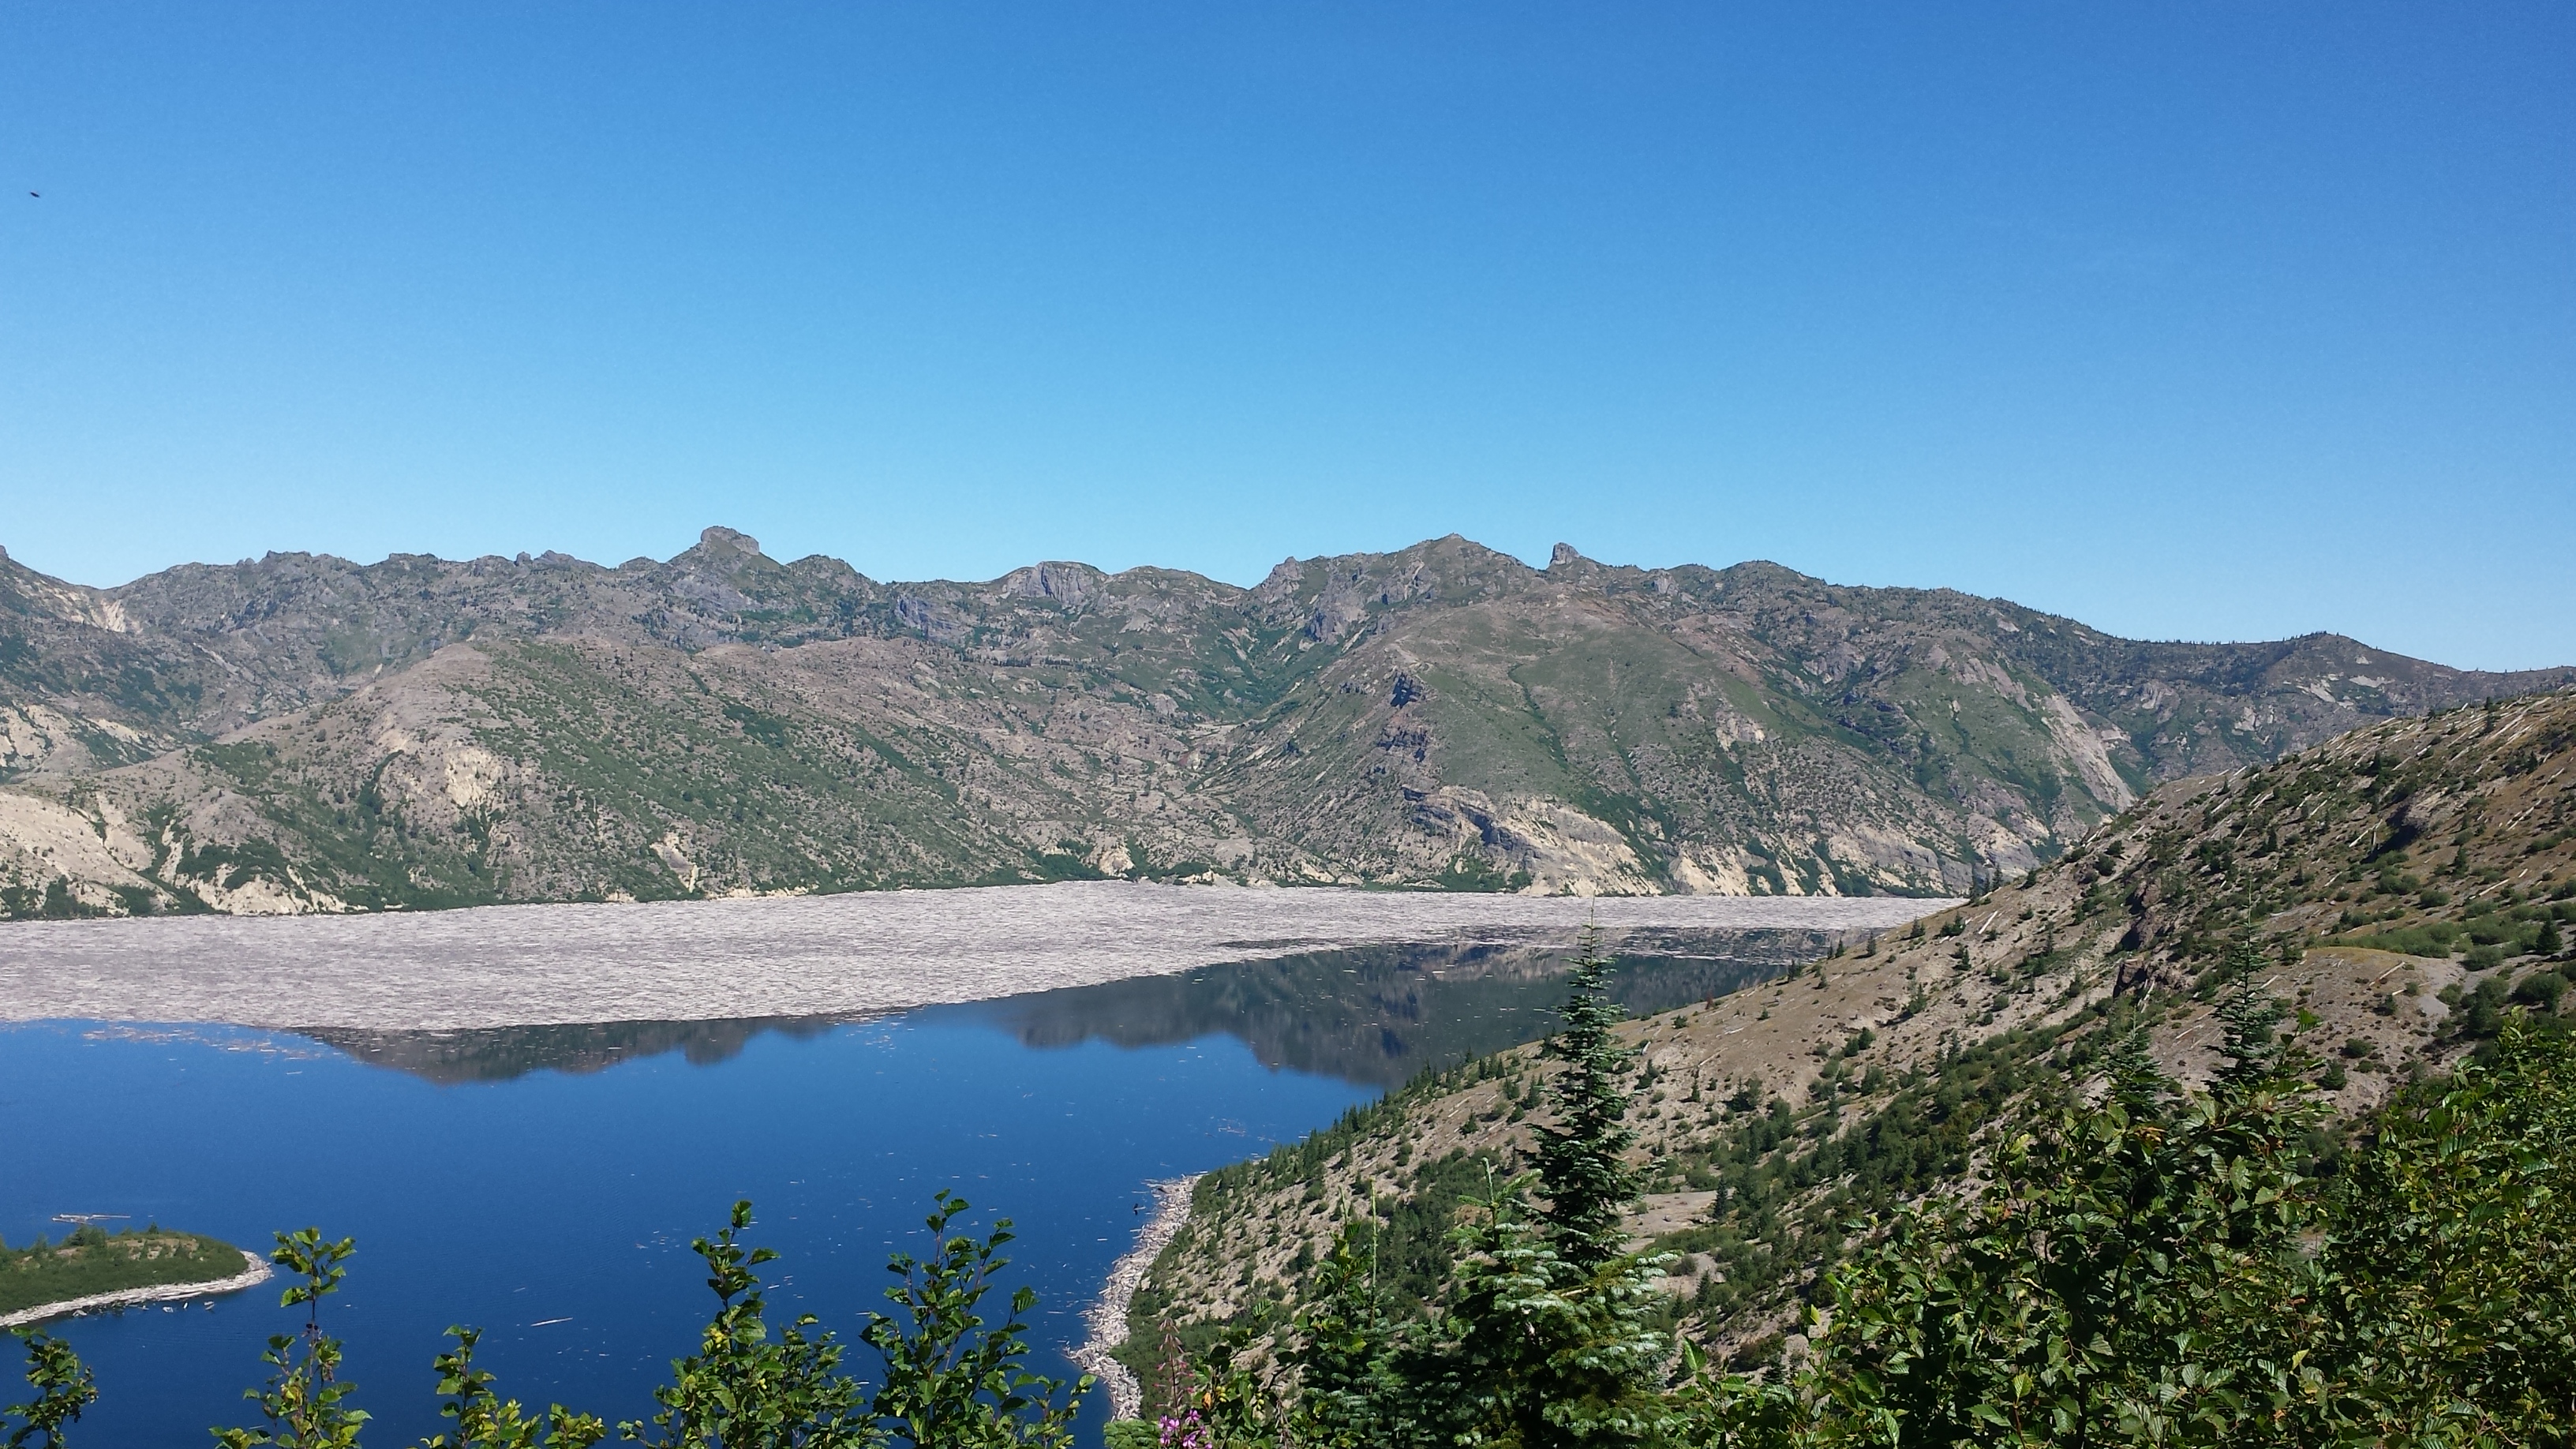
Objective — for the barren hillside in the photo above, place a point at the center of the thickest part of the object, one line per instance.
(302, 733)
(2400, 889)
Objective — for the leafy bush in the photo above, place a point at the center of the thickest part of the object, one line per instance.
(2541, 989)
(952, 1380)
(2156, 1269)
(63, 1385)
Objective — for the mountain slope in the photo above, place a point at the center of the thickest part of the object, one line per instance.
(2401, 889)
(301, 733)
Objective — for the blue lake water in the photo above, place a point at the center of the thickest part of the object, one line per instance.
(545, 1182)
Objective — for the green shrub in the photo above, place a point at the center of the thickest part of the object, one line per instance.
(2540, 989)
(952, 1379)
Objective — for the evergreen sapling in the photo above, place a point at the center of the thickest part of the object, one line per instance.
(1583, 1154)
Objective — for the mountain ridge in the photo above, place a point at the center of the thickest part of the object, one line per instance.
(2402, 891)
(300, 732)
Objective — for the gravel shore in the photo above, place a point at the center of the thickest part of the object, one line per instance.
(841, 955)
(1106, 1319)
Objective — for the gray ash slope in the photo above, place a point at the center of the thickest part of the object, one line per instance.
(303, 733)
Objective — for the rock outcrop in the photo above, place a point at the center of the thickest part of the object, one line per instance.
(299, 732)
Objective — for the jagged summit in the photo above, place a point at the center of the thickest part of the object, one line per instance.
(304, 732)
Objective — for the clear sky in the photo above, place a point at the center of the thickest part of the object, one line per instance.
(2228, 321)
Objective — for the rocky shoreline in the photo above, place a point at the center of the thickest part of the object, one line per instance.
(256, 1273)
(1107, 1316)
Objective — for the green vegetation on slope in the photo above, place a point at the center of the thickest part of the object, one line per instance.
(1773, 1121)
(2130, 1266)
(305, 733)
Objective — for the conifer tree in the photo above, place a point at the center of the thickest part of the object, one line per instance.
(2137, 1083)
(1343, 1348)
(1582, 1156)
(2252, 1049)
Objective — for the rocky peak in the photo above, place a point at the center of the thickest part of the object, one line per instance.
(1281, 582)
(1066, 583)
(724, 554)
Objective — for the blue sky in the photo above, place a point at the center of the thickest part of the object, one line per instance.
(2189, 321)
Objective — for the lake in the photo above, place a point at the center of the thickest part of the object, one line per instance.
(544, 1181)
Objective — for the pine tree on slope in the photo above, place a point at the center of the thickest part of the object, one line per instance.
(1582, 1156)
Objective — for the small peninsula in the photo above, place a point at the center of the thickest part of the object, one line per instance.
(94, 1268)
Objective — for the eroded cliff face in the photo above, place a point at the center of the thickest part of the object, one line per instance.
(304, 733)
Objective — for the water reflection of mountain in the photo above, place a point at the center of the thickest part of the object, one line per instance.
(1380, 1015)
(1375, 1016)
(497, 1054)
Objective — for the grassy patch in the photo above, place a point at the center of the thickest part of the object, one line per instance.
(1468, 872)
